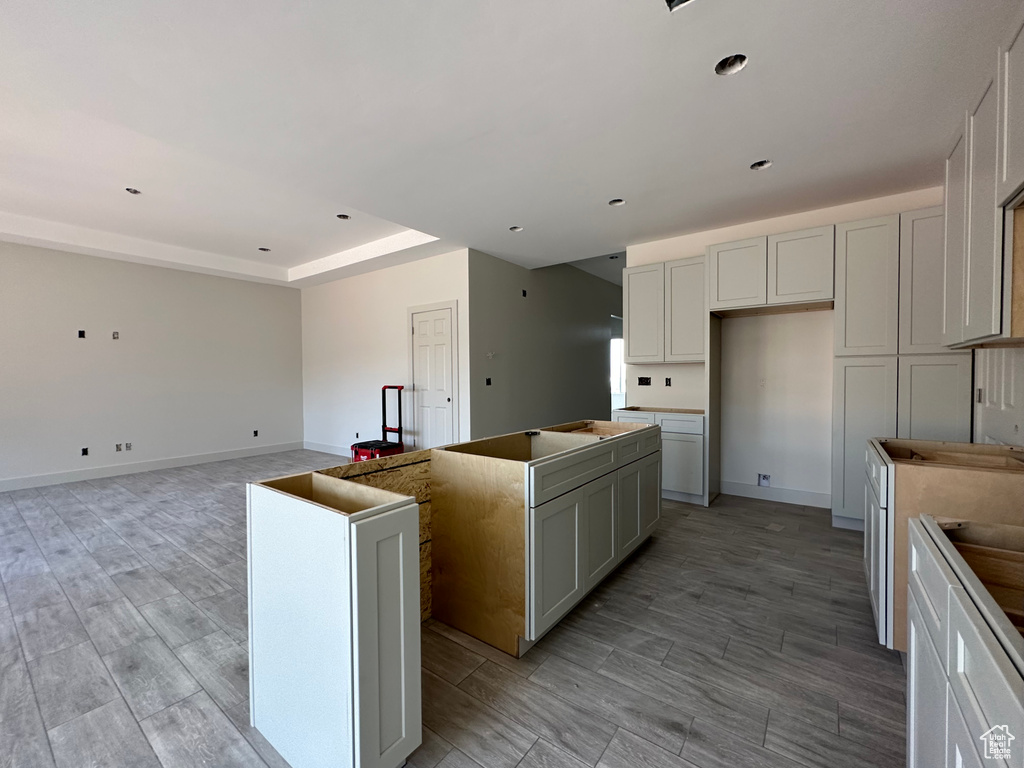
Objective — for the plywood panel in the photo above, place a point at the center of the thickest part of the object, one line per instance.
(479, 546)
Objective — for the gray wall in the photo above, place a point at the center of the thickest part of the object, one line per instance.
(549, 349)
(201, 362)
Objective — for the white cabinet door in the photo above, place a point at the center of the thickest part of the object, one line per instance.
(685, 313)
(867, 287)
(650, 493)
(961, 744)
(955, 247)
(1011, 116)
(926, 696)
(921, 265)
(556, 569)
(983, 306)
(800, 266)
(737, 274)
(863, 407)
(600, 553)
(386, 653)
(635, 417)
(875, 530)
(643, 313)
(634, 496)
(935, 397)
(683, 463)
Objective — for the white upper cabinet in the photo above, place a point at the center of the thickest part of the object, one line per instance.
(643, 313)
(867, 286)
(738, 274)
(800, 266)
(955, 246)
(685, 315)
(921, 267)
(1010, 167)
(983, 289)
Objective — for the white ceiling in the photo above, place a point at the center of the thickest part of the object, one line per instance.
(249, 124)
(606, 267)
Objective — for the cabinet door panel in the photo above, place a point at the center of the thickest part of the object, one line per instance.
(738, 274)
(935, 397)
(600, 553)
(800, 266)
(983, 307)
(864, 406)
(385, 556)
(628, 526)
(643, 313)
(961, 744)
(557, 533)
(922, 250)
(874, 559)
(955, 247)
(867, 287)
(1011, 118)
(926, 696)
(685, 313)
(650, 493)
(683, 463)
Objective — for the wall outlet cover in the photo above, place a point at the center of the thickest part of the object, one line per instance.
(765, 481)
(643, 381)
(668, 382)
(255, 433)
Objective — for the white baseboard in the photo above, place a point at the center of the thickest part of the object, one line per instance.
(848, 523)
(782, 495)
(686, 498)
(338, 450)
(93, 473)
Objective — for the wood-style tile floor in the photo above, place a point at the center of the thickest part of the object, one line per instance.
(740, 635)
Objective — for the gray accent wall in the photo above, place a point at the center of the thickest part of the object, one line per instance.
(546, 353)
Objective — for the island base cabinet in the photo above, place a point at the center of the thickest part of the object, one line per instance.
(926, 695)
(961, 744)
(334, 625)
(639, 498)
(556, 568)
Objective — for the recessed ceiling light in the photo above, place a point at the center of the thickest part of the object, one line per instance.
(515, 229)
(132, 191)
(265, 250)
(617, 202)
(730, 65)
(760, 165)
(673, 4)
(344, 216)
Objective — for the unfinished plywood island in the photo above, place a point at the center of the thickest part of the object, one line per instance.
(525, 525)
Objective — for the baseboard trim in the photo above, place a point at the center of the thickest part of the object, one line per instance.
(847, 523)
(338, 450)
(113, 470)
(686, 498)
(782, 495)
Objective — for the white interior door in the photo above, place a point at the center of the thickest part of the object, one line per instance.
(433, 376)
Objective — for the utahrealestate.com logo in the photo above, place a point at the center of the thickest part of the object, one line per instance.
(997, 742)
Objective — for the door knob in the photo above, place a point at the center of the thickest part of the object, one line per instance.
(449, 399)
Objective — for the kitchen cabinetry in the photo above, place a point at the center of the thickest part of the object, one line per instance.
(738, 274)
(685, 313)
(867, 286)
(334, 639)
(792, 268)
(864, 406)
(921, 264)
(970, 692)
(800, 266)
(526, 524)
(1011, 122)
(934, 401)
(643, 313)
(955, 246)
(682, 447)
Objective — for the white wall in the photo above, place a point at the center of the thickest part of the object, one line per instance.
(546, 353)
(355, 339)
(686, 390)
(201, 362)
(777, 405)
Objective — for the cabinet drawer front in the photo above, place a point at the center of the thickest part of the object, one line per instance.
(985, 683)
(929, 579)
(877, 471)
(632, 446)
(551, 478)
(634, 417)
(961, 744)
(687, 424)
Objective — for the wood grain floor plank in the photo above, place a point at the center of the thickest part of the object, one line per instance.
(107, 736)
(70, 683)
(150, 676)
(815, 748)
(194, 733)
(446, 658)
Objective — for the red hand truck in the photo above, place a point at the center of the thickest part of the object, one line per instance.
(374, 449)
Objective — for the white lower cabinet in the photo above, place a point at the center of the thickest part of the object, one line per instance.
(639, 503)
(600, 554)
(875, 538)
(961, 744)
(556, 562)
(334, 621)
(683, 457)
(926, 695)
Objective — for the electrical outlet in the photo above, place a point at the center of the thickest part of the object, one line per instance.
(765, 481)
(255, 433)
(81, 334)
(668, 382)
(127, 446)
(643, 381)
(117, 448)
(85, 451)
(116, 335)
(357, 435)
(488, 381)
